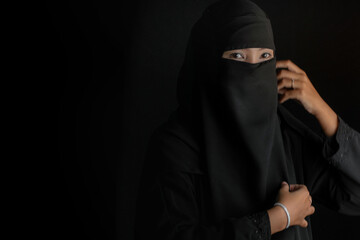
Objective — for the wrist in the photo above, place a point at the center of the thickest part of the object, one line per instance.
(327, 118)
(278, 219)
(320, 109)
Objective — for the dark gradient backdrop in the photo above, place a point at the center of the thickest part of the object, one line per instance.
(114, 65)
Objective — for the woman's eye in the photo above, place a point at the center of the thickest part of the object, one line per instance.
(266, 55)
(237, 55)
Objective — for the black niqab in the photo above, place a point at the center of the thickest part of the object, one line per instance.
(230, 107)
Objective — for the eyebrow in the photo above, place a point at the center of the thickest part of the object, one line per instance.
(260, 49)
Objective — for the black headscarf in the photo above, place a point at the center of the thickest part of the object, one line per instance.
(230, 108)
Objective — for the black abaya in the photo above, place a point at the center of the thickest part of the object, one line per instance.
(173, 201)
(225, 151)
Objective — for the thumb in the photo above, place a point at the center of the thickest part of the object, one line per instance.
(284, 186)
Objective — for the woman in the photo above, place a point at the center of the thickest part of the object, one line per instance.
(232, 162)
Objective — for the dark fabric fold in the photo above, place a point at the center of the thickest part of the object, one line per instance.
(231, 106)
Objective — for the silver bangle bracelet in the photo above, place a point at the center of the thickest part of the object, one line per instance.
(287, 213)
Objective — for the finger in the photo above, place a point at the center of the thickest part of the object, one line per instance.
(294, 187)
(304, 224)
(287, 83)
(284, 83)
(291, 94)
(299, 187)
(284, 186)
(289, 65)
(311, 210)
(282, 91)
(288, 74)
(303, 188)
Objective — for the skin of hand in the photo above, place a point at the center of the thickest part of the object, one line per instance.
(305, 93)
(297, 200)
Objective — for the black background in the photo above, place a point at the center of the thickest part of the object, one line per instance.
(112, 69)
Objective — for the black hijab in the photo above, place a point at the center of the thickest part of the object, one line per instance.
(230, 109)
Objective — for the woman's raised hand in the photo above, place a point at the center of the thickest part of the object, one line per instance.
(297, 200)
(303, 90)
(293, 83)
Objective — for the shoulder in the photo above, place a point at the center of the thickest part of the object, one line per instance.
(173, 147)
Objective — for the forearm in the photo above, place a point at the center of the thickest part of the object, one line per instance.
(278, 219)
(327, 118)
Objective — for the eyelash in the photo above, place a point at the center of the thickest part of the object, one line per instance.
(266, 53)
(235, 54)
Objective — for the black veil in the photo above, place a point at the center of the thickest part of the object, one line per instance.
(230, 108)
